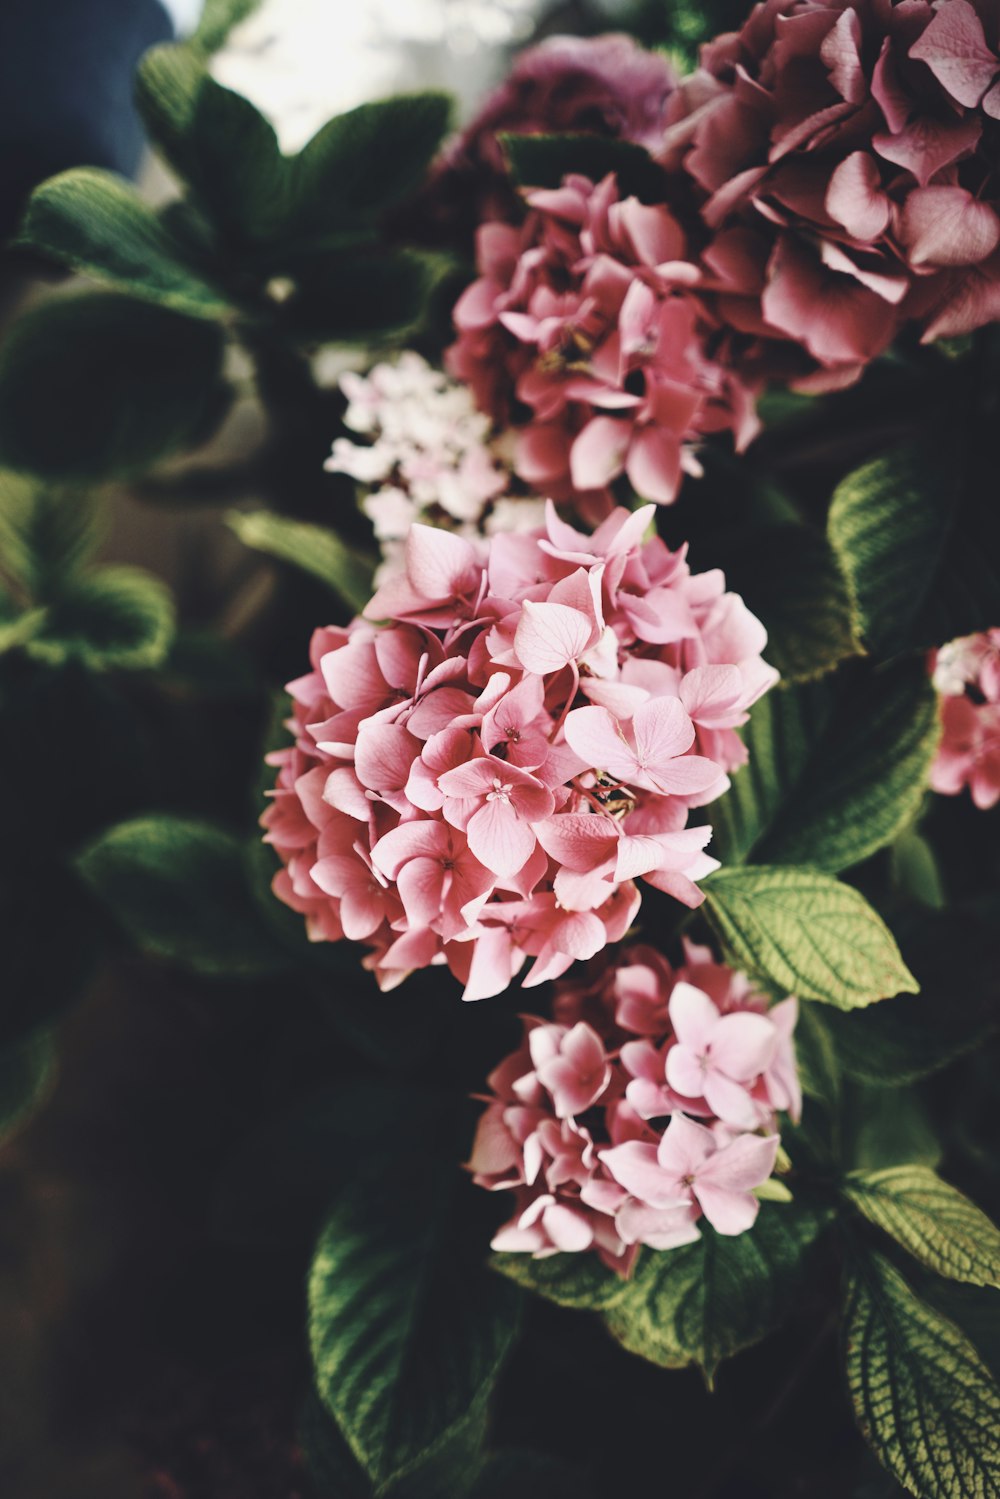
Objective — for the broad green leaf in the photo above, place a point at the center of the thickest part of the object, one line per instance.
(177, 888)
(112, 619)
(218, 17)
(544, 160)
(915, 871)
(46, 535)
(25, 1072)
(918, 535)
(704, 1302)
(837, 769)
(406, 1340)
(216, 142)
(312, 548)
(931, 1220)
(95, 223)
(99, 386)
(578, 1280)
(924, 1399)
(888, 1127)
(801, 932)
(790, 578)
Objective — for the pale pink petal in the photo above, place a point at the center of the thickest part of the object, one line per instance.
(743, 1045)
(598, 453)
(594, 734)
(549, 636)
(947, 226)
(694, 1017)
(499, 839)
(855, 197)
(954, 48)
(634, 1166)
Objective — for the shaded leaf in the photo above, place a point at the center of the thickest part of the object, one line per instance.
(578, 1280)
(801, 932)
(46, 535)
(888, 1128)
(931, 1220)
(925, 1401)
(113, 619)
(406, 1343)
(25, 1072)
(313, 548)
(99, 386)
(177, 888)
(705, 1301)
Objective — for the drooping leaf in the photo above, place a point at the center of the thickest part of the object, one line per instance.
(924, 1399)
(313, 548)
(97, 224)
(406, 1340)
(917, 532)
(931, 1220)
(704, 1302)
(836, 770)
(544, 160)
(915, 871)
(112, 619)
(802, 932)
(578, 1280)
(25, 1072)
(99, 386)
(46, 535)
(177, 887)
(791, 579)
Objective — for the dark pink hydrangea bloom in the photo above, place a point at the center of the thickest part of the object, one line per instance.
(847, 154)
(603, 85)
(482, 777)
(648, 1102)
(967, 674)
(583, 316)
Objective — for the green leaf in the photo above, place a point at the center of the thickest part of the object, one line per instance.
(915, 871)
(544, 160)
(925, 1401)
(46, 535)
(218, 17)
(837, 770)
(25, 1073)
(358, 297)
(100, 386)
(931, 1220)
(704, 1302)
(887, 1128)
(95, 223)
(178, 889)
(406, 1340)
(578, 1280)
(790, 578)
(113, 619)
(801, 932)
(313, 548)
(918, 535)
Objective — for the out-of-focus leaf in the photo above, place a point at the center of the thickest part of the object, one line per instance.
(578, 1280)
(112, 619)
(25, 1071)
(313, 548)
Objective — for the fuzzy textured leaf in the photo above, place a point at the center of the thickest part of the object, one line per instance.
(917, 532)
(112, 619)
(931, 1220)
(837, 770)
(705, 1301)
(924, 1399)
(801, 932)
(312, 548)
(405, 1342)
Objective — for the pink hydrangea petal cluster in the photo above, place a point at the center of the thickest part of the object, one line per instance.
(967, 674)
(582, 333)
(487, 761)
(846, 153)
(649, 1102)
(603, 85)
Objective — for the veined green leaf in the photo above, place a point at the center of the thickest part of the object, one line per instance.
(112, 619)
(312, 548)
(578, 1280)
(931, 1220)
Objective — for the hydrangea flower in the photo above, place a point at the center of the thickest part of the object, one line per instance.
(582, 333)
(846, 154)
(648, 1102)
(603, 85)
(428, 456)
(967, 674)
(487, 761)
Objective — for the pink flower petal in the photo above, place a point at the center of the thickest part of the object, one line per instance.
(499, 839)
(549, 636)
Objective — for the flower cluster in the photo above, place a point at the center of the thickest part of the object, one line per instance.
(967, 674)
(428, 457)
(846, 153)
(487, 760)
(603, 85)
(648, 1102)
(582, 333)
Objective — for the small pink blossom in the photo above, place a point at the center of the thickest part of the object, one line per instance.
(967, 674)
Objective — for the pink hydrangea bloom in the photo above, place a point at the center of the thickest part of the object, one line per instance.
(486, 762)
(603, 85)
(846, 155)
(650, 1101)
(583, 317)
(967, 674)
